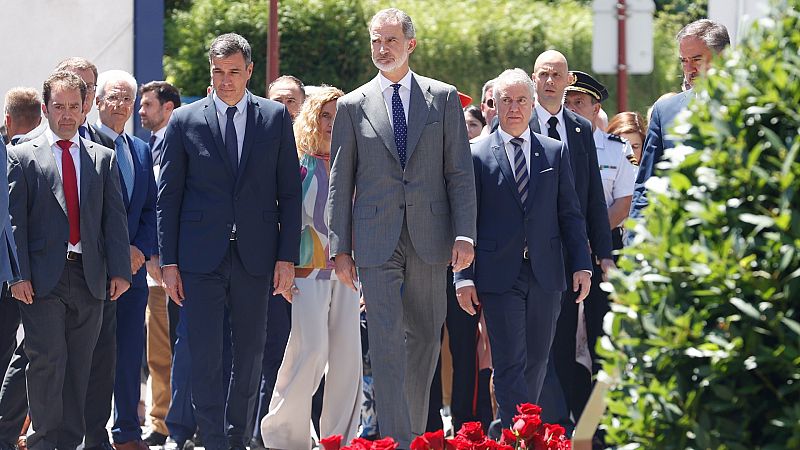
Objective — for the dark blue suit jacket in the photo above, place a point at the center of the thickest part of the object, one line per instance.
(200, 197)
(553, 219)
(657, 140)
(141, 206)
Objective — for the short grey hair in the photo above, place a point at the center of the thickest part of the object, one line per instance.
(394, 15)
(713, 34)
(110, 76)
(486, 86)
(229, 44)
(512, 77)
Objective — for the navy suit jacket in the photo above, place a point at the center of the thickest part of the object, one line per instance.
(200, 197)
(141, 206)
(553, 219)
(657, 140)
(9, 269)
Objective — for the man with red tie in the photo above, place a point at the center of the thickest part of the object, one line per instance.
(71, 230)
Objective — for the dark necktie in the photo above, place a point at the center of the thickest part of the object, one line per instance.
(520, 171)
(231, 143)
(156, 152)
(124, 164)
(399, 125)
(552, 131)
(14, 140)
(70, 182)
(83, 132)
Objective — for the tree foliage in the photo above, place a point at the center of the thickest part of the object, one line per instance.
(706, 321)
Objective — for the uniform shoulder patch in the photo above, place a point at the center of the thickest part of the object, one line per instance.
(615, 137)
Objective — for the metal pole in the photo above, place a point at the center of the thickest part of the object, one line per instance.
(273, 43)
(622, 63)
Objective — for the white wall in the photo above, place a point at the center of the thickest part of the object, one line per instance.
(737, 15)
(38, 34)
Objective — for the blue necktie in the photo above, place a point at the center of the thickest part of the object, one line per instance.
(399, 125)
(520, 171)
(231, 143)
(155, 151)
(124, 164)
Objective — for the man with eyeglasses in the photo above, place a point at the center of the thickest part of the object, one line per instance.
(117, 356)
(531, 212)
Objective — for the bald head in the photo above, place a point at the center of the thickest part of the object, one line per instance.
(551, 76)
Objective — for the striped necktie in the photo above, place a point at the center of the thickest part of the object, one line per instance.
(520, 171)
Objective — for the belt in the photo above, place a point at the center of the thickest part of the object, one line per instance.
(74, 256)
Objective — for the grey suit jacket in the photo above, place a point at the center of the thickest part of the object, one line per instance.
(371, 195)
(8, 249)
(39, 216)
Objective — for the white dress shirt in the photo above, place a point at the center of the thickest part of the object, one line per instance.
(544, 115)
(111, 134)
(388, 92)
(75, 152)
(239, 119)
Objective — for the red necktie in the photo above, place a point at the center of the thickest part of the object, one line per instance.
(70, 182)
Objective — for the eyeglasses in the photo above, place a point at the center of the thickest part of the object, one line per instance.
(119, 100)
(91, 86)
(489, 103)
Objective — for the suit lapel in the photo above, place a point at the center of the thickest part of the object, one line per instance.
(418, 109)
(87, 157)
(538, 164)
(210, 112)
(499, 151)
(573, 134)
(534, 122)
(374, 108)
(253, 118)
(47, 164)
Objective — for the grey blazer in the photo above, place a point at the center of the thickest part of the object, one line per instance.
(371, 195)
(39, 216)
(8, 249)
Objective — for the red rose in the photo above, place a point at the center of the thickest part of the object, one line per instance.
(332, 442)
(528, 408)
(525, 426)
(553, 432)
(386, 443)
(472, 431)
(429, 441)
(360, 444)
(536, 442)
(508, 437)
(459, 443)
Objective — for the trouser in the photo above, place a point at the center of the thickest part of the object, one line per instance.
(521, 324)
(324, 340)
(61, 330)
(159, 357)
(406, 307)
(14, 397)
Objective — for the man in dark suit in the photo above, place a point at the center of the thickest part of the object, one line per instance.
(527, 212)
(71, 232)
(118, 354)
(401, 208)
(698, 42)
(228, 223)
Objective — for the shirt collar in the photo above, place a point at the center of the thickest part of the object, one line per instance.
(108, 131)
(385, 83)
(160, 133)
(544, 115)
(52, 138)
(599, 138)
(222, 107)
(525, 136)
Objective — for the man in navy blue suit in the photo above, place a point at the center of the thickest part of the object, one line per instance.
(527, 211)
(698, 42)
(229, 226)
(118, 354)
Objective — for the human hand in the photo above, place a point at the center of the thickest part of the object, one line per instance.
(607, 265)
(283, 280)
(23, 291)
(154, 268)
(137, 259)
(581, 280)
(463, 254)
(117, 287)
(345, 269)
(171, 280)
(467, 297)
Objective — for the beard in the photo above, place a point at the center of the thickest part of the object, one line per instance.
(392, 66)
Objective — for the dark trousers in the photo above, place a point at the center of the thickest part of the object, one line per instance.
(13, 397)
(180, 417)
(101, 378)
(130, 351)
(223, 423)
(521, 323)
(9, 322)
(61, 330)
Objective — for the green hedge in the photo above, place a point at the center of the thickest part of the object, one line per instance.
(462, 42)
(706, 332)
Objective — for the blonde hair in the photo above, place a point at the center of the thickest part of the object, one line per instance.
(306, 127)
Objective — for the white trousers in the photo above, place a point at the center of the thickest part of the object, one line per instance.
(325, 339)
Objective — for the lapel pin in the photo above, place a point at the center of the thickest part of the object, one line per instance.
(536, 154)
(577, 129)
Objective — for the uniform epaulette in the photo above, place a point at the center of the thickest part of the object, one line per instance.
(615, 137)
(632, 158)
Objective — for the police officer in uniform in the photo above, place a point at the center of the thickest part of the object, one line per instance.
(615, 157)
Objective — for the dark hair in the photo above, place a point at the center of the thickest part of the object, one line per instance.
(165, 92)
(24, 105)
(475, 112)
(394, 16)
(289, 79)
(230, 44)
(77, 63)
(66, 79)
(713, 34)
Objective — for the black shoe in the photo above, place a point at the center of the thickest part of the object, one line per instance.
(103, 446)
(154, 439)
(495, 430)
(172, 444)
(257, 444)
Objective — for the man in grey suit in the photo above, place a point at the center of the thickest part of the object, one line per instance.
(401, 208)
(71, 231)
